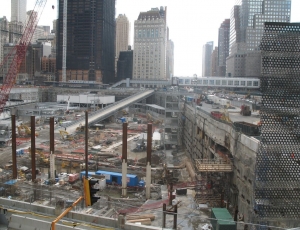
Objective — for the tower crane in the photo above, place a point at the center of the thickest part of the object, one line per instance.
(19, 52)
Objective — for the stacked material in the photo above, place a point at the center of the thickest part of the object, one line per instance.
(144, 219)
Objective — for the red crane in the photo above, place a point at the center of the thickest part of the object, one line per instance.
(19, 52)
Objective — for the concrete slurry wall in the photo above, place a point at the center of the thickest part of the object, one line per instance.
(28, 222)
(243, 149)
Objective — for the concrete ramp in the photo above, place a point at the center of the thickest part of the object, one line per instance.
(106, 112)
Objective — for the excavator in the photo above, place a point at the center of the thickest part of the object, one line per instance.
(65, 135)
(154, 121)
(26, 132)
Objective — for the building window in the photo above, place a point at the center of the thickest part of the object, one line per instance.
(205, 82)
(224, 82)
(230, 82)
(218, 82)
(249, 83)
(236, 83)
(243, 83)
(211, 82)
(255, 83)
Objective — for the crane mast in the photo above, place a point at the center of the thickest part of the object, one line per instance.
(64, 55)
(19, 53)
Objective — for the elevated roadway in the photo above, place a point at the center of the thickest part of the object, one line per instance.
(106, 112)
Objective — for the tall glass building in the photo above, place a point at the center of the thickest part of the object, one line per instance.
(18, 10)
(250, 16)
(90, 40)
(246, 30)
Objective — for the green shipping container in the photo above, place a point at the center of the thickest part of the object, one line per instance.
(222, 219)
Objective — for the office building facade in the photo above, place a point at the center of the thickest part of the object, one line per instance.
(150, 45)
(247, 27)
(223, 47)
(90, 41)
(18, 10)
(207, 50)
(122, 36)
(125, 64)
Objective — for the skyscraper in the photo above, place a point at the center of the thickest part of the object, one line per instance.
(18, 10)
(223, 47)
(150, 44)
(207, 50)
(247, 27)
(90, 40)
(214, 62)
(122, 36)
(170, 59)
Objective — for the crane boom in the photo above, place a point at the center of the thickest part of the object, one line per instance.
(19, 52)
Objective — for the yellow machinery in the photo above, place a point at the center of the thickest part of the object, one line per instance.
(80, 128)
(65, 213)
(124, 112)
(65, 135)
(154, 121)
(225, 115)
(65, 164)
(27, 131)
(75, 164)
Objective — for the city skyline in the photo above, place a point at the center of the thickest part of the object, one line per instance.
(183, 21)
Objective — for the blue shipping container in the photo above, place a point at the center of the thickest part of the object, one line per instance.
(132, 180)
(90, 174)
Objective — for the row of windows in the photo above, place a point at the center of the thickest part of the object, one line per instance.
(200, 82)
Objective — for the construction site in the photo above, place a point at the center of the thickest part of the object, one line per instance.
(160, 155)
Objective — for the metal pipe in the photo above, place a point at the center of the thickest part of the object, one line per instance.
(65, 213)
(33, 167)
(86, 143)
(52, 134)
(14, 146)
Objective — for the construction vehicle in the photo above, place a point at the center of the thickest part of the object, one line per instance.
(65, 164)
(17, 55)
(80, 128)
(26, 132)
(124, 112)
(245, 110)
(152, 120)
(66, 136)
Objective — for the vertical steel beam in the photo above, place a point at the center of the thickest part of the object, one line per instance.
(14, 146)
(86, 130)
(52, 134)
(124, 160)
(33, 166)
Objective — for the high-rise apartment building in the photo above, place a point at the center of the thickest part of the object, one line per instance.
(223, 47)
(18, 10)
(150, 45)
(247, 27)
(207, 50)
(90, 40)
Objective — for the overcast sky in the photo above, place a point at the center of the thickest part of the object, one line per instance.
(192, 23)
